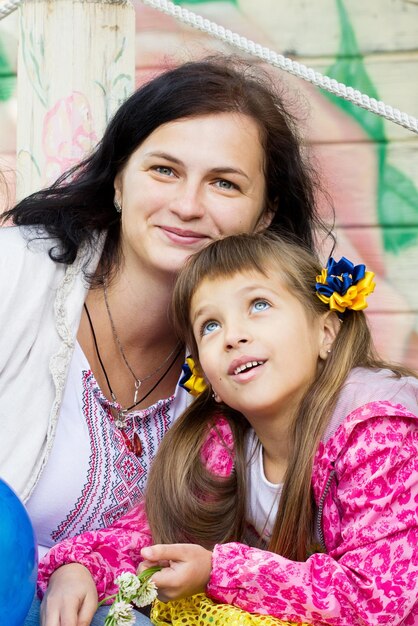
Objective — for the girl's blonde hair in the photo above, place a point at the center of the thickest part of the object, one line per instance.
(187, 503)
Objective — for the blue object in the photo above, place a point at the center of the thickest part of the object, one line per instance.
(18, 558)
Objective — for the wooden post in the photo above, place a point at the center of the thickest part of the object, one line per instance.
(76, 65)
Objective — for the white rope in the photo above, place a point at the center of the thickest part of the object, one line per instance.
(278, 60)
(293, 67)
(8, 7)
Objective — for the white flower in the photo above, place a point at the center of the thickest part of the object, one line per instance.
(137, 589)
(147, 594)
(128, 584)
(121, 613)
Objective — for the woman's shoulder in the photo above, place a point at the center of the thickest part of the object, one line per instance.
(24, 241)
(30, 246)
(26, 269)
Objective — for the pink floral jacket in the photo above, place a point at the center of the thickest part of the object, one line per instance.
(365, 483)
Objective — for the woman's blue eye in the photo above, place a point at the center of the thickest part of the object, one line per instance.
(162, 169)
(225, 184)
(260, 305)
(209, 327)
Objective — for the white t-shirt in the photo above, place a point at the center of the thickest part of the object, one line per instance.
(263, 496)
(91, 477)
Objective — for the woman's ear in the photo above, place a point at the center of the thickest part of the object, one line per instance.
(265, 220)
(117, 185)
(330, 327)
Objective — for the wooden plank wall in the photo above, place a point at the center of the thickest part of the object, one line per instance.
(368, 165)
(8, 106)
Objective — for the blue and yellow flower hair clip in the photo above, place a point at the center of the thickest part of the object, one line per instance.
(343, 285)
(192, 381)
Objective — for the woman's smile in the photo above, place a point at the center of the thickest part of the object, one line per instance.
(183, 237)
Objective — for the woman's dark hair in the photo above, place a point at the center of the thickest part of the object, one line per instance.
(80, 202)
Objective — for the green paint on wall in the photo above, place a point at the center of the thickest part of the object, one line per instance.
(398, 208)
(397, 196)
(349, 69)
(7, 76)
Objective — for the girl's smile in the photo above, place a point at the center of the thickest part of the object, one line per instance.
(241, 368)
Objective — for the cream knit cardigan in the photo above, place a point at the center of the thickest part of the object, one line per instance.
(40, 308)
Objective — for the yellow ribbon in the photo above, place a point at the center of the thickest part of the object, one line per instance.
(195, 384)
(355, 296)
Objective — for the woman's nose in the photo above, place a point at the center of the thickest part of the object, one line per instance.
(188, 204)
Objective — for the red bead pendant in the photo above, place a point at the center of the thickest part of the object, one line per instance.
(136, 445)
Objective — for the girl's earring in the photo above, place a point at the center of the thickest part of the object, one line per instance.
(117, 206)
(324, 353)
(216, 397)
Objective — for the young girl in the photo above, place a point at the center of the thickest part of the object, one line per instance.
(289, 488)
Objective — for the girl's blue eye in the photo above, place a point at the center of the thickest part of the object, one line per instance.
(209, 327)
(260, 305)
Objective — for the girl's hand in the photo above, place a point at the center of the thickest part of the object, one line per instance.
(71, 598)
(186, 569)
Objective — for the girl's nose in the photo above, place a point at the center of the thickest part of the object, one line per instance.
(236, 337)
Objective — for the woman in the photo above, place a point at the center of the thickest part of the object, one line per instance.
(90, 363)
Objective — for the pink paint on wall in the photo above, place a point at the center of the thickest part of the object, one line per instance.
(69, 122)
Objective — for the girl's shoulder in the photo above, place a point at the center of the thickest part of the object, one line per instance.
(376, 414)
(371, 393)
